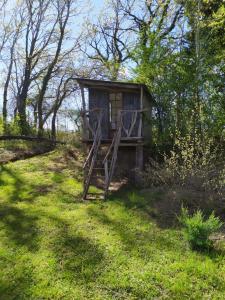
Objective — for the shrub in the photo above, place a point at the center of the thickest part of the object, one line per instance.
(198, 229)
(192, 163)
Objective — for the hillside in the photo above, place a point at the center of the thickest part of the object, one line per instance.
(53, 245)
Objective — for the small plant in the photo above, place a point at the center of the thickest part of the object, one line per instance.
(198, 229)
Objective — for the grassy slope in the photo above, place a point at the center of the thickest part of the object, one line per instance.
(14, 150)
(54, 246)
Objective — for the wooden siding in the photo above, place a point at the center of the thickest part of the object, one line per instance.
(100, 99)
(131, 101)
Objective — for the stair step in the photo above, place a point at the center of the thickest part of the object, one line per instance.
(95, 197)
(95, 194)
(98, 156)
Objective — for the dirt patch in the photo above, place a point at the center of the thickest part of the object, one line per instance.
(11, 156)
(43, 189)
(15, 153)
(164, 204)
(70, 159)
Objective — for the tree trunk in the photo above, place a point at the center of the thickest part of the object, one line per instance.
(6, 86)
(5, 98)
(53, 130)
(21, 108)
(50, 69)
(35, 116)
(21, 100)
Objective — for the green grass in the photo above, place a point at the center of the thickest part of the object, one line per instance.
(55, 246)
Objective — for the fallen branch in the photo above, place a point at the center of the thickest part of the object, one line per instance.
(28, 138)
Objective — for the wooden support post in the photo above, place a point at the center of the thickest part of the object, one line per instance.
(85, 132)
(83, 97)
(139, 164)
(141, 116)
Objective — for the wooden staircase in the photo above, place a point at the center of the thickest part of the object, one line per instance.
(98, 161)
(92, 156)
(110, 159)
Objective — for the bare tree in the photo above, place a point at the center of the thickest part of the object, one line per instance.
(108, 43)
(39, 30)
(152, 18)
(38, 50)
(64, 90)
(11, 48)
(5, 31)
(63, 14)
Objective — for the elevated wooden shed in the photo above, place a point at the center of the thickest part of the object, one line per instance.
(116, 119)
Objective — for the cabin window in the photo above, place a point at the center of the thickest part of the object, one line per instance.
(115, 105)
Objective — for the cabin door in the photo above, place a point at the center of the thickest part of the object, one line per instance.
(99, 99)
(131, 102)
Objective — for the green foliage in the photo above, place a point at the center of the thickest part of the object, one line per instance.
(198, 229)
(187, 81)
(1, 126)
(196, 162)
(192, 163)
(14, 127)
(190, 156)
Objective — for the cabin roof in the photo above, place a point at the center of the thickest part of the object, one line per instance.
(110, 85)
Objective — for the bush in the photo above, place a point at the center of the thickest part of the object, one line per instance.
(198, 229)
(192, 163)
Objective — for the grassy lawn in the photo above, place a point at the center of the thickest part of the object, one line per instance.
(54, 246)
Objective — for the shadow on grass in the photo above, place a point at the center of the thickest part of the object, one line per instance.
(78, 257)
(155, 204)
(20, 227)
(19, 287)
(163, 204)
(16, 183)
(78, 260)
(159, 206)
(131, 236)
(20, 190)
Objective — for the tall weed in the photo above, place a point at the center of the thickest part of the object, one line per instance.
(197, 228)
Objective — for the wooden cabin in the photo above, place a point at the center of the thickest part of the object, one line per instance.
(116, 128)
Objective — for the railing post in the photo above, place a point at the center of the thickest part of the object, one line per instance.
(84, 125)
(140, 126)
(84, 116)
(141, 115)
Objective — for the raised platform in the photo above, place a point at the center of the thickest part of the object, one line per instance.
(131, 141)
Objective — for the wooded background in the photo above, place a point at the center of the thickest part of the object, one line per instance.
(175, 47)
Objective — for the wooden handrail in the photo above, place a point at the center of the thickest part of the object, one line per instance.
(92, 155)
(109, 170)
(110, 148)
(86, 122)
(133, 110)
(96, 137)
(114, 137)
(128, 131)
